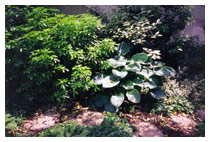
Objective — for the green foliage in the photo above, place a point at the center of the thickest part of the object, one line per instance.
(50, 55)
(173, 105)
(201, 129)
(147, 26)
(130, 76)
(11, 124)
(67, 129)
(112, 126)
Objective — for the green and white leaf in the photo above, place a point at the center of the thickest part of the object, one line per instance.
(145, 72)
(133, 66)
(117, 99)
(110, 81)
(123, 48)
(133, 96)
(128, 85)
(119, 74)
(138, 82)
(117, 61)
(98, 79)
(140, 57)
(164, 71)
(158, 93)
(150, 84)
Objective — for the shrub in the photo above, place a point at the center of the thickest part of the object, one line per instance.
(131, 76)
(49, 53)
(146, 26)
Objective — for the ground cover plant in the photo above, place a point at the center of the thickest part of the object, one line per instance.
(132, 63)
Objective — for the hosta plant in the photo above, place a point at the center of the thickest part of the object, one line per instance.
(130, 78)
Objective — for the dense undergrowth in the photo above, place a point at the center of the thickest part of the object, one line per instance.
(54, 59)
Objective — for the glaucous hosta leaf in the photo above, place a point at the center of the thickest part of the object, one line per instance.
(156, 79)
(123, 48)
(164, 71)
(117, 99)
(117, 61)
(119, 74)
(171, 70)
(128, 85)
(110, 81)
(98, 79)
(140, 57)
(133, 66)
(101, 99)
(150, 84)
(145, 72)
(158, 93)
(133, 96)
(138, 82)
(110, 108)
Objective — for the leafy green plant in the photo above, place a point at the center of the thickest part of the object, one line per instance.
(201, 129)
(67, 129)
(130, 77)
(112, 126)
(53, 56)
(11, 124)
(173, 105)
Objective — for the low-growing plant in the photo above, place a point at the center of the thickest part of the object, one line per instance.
(173, 105)
(67, 129)
(201, 129)
(131, 77)
(112, 126)
(11, 125)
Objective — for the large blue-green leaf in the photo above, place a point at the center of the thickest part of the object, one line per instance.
(98, 79)
(133, 66)
(138, 82)
(117, 99)
(158, 93)
(145, 72)
(156, 79)
(119, 74)
(123, 48)
(140, 57)
(164, 71)
(128, 85)
(110, 81)
(110, 108)
(150, 84)
(133, 96)
(117, 61)
(101, 100)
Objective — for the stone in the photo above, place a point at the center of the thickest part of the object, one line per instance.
(184, 122)
(147, 129)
